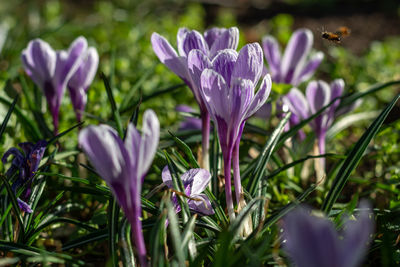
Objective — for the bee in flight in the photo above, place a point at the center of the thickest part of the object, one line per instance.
(336, 36)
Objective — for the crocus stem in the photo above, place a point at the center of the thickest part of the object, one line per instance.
(321, 148)
(236, 171)
(138, 238)
(205, 129)
(228, 186)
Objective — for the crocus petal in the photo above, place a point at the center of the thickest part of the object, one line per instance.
(214, 93)
(297, 103)
(295, 54)
(24, 206)
(240, 97)
(84, 75)
(199, 179)
(261, 96)
(149, 142)
(272, 53)
(166, 177)
(106, 152)
(168, 56)
(309, 69)
(249, 63)
(43, 57)
(201, 205)
(357, 235)
(180, 37)
(318, 95)
(228, 39)
(212, 34)
(310, 241)
(197, 61)
(224, 63)
(193, 40)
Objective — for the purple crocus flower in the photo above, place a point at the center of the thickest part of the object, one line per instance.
(123, 166)
(227, 86)
(210, 44)
(51, 70)
(195, 182)
(318, 95)
(294, 66)
(27, 163)
(81, 80)
(312, 241)
(189, 123)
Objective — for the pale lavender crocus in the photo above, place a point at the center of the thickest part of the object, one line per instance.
(210, 44)
(195, 182)
(228, 85)
(312, 241)
(189, 123)
(79, 83)
(123, 165)
(51, 70)
(318, 95)
(296, 65)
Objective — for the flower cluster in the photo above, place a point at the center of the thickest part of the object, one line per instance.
(53, 71)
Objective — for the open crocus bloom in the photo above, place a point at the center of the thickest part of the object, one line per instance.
(295, 66)
(27, 163)
(213, 41)
(51, 70)
(195, 182)
(312, 241)
(227, 86)
(318, 95)
(123, 166)
(81, 80)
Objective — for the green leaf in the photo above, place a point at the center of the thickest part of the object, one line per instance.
(162, 91)
(58, 136)
(7, 117)
(158, 237)
(175, 234)
(113, 216)
(186, 149)
(264, 156)
(127, 249)
(354, 158)
(86, 239)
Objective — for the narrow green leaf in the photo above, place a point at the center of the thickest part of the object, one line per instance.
(187, 234)
(127, 249)
(58, 136)
(264, 156)
(86, 239)
(7, 117)
(163, 91)
(113, 216)
(186, 149)
(158, 237)
(354, 157)
(175, 234)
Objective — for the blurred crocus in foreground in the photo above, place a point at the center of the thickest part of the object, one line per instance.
(195, 182)
(213, 41)
(228, 85)
(123, 165)
(82, 79)
(51, 70)
(27, 163)
(311, 241)
(318, 95)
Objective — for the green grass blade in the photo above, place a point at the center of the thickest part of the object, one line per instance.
(264, 156)
(158, 238)
(86, 239)
(175, 234)
(354, 157)
(113, 216)
(186, 149)
(126, 243)
(58, 136)
(7, 117)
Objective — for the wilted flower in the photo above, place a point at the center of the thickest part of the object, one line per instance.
(27, 163)
(295, 66)
(81, 80)
(189, 123)
(195, 182)
(51, 70)
(312, 241)
(123, 166)
(227, 86)
(210, 44)
(318, 95)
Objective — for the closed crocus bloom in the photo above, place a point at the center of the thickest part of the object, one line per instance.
(123, 166)
(210, 44)
(318, 95)
(51, 70)
(26, 163)
(81, 80)
(311, 241)
(295, 66)
(228, 89)
(195, 182)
